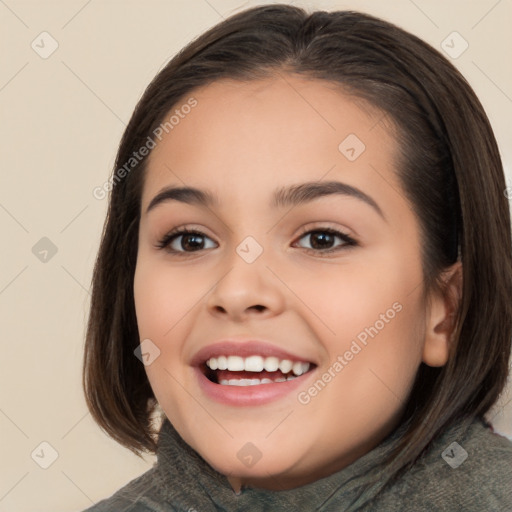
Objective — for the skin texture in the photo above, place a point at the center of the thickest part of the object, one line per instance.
(241, 142)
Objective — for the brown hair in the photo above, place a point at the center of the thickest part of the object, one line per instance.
(449, 167)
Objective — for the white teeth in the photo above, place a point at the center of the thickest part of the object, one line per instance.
(235, 364)
(285, 365)
(254, 364)
(253, 382)
(244, 382)
(271, 364)
(300, 368)
(257, 364)
(297, 368)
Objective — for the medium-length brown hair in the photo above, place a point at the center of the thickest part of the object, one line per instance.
(449, 167)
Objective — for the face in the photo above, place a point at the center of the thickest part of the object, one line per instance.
(285, 312)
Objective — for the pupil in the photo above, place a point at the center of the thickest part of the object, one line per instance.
(186, 241)
(326, 237)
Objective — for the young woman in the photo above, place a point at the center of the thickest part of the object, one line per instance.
(306, 275)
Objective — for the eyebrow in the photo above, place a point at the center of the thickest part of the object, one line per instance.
(293, 195)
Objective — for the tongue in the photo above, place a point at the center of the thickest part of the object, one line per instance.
(226, 374)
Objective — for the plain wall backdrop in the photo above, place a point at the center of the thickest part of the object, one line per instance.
(71, 73)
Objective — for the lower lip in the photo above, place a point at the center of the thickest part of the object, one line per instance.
(248, 395)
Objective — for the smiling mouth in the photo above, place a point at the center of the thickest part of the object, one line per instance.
(253, 370)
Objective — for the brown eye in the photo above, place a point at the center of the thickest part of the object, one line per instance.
(324, 240)
(184, 241)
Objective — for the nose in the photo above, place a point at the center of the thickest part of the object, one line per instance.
(246, 290)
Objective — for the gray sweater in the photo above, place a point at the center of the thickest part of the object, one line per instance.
(466, 469)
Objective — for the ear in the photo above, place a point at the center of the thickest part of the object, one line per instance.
(441, 316)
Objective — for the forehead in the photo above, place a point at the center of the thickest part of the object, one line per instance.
(285, 128)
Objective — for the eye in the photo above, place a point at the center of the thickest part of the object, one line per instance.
(323, 240)
(184, 240)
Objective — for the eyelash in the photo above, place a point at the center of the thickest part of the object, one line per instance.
(349, 242)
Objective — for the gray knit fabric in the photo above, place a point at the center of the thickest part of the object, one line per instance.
(466, 469)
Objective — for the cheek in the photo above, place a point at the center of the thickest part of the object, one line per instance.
(369, 373)
(389, 346)
(162, 301)
(162, 297)
(348, 298)
(373, 316)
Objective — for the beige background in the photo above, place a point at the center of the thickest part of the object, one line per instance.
(61, 121)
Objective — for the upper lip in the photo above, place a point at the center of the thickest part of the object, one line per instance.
(244, 348)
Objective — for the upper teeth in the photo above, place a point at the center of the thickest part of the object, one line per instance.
(256, 364)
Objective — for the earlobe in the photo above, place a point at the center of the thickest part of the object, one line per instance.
(441, 320)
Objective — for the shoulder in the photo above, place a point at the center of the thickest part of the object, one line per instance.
(137, 495)
(466, 469)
